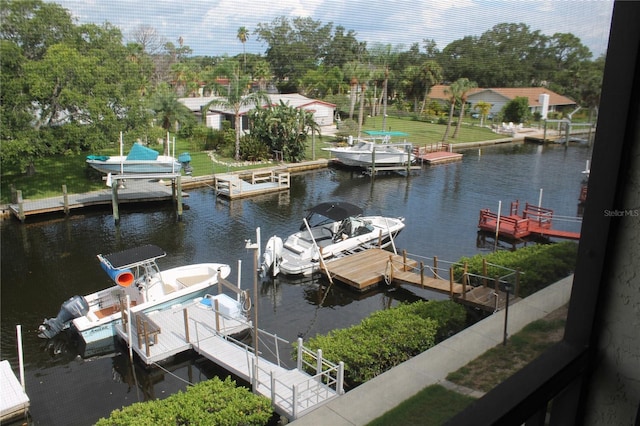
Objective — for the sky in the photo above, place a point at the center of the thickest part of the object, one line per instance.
(210, 27)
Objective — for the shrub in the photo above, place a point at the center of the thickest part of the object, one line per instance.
(213, 402)
(540, 265)
(389, 337)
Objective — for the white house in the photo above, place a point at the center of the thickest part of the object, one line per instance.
(323, 112)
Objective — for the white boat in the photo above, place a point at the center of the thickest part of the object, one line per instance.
(376, 150)
(140, 160)
(137, 276)
(331, 229)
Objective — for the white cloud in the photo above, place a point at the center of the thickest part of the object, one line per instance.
(210, 27)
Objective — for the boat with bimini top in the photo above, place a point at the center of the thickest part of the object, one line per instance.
(330, 230)
(138, 279)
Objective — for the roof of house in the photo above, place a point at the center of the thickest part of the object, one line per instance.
(292, 99)
(532, 93)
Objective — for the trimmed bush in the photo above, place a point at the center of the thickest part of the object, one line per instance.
(389, 337)
(212, 402)
(540, 264)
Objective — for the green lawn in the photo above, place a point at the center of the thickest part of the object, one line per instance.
(433, 405)
(70, 170)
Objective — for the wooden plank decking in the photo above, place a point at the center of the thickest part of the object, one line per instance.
(369, 268)
(134, 191)
(233, 186)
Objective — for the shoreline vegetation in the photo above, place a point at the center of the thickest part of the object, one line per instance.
(72, 171)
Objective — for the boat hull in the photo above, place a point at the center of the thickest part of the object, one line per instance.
(107, 330)
(300, 257)
(177, 286)
(366, 155)
(119, 164)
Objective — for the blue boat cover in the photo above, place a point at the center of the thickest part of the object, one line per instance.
(139, 152)
(98, 157)
(185, 157)
(382, 133)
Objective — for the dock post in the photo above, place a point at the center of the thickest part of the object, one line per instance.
(114, 203)
(421, 274)
(185, 315)
(451, 282)
(216, 304)
(404, 261)
(435, 266)
(373, 162)
(65, 198)
(465, 279)
(484, 272)
(179, 194)
(20, 202)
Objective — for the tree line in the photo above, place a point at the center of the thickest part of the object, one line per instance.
(70, 88)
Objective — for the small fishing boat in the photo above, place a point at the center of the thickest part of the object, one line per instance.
(375, 150)
(138, 279)
(330, 230)
(139, 160)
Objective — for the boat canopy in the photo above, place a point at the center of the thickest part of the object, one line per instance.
(133, 257)
(139, 152)
(383, 133)
(336, 210)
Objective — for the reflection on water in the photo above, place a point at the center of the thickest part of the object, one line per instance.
(45, 262)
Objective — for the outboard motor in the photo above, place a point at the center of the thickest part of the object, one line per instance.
(271, 257)
(75, 307)
(185, 160)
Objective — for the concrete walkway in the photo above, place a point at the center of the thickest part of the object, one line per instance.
(379, 395)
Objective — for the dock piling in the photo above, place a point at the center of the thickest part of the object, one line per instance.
(65, 198)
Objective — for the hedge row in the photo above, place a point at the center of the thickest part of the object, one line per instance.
(540, 264)
(213, 402)
(389, 337)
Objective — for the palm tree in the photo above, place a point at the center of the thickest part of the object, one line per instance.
(169, 111)
(238, 98)
(351, 71)
(463, 93)
(453, 93)
(483, 108)
(243, 36)
(432, 75)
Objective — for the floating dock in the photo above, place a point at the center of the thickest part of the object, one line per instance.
(367, 269)
(14, 403)
(233, 186)
(158, 336)
(534, 222)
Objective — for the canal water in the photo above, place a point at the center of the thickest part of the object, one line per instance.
(44, 262)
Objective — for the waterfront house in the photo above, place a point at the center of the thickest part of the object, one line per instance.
(541, 99)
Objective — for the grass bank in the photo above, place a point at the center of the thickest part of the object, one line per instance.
(436, 404)
(54, 171)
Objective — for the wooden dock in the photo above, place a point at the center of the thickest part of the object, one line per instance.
(234, 186)
(14, 403)
(157, 336)
(136, 189)
(367, 269)
(533, 222)
(438, 153)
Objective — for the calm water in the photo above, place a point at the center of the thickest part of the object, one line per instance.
(46, 262)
